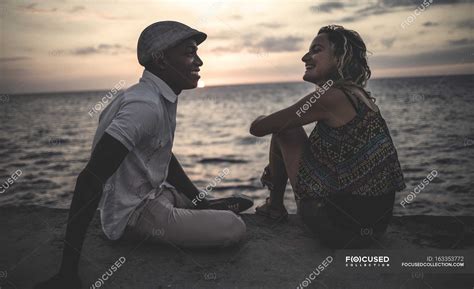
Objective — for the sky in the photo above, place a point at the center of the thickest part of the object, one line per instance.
(88, 45)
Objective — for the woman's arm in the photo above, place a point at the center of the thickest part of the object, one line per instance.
(316, 106)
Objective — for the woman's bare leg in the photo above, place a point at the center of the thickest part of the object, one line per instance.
(286, 149)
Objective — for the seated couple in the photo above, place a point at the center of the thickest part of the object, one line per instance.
(344, 175)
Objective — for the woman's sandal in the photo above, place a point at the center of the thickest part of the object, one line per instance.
(267, 211)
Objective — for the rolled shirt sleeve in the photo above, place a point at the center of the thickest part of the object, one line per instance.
(135, 121)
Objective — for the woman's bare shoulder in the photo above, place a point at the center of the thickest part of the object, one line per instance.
(363, 95)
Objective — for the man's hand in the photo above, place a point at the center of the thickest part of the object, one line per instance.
(178, 179)
(203, 204)
(59, 281)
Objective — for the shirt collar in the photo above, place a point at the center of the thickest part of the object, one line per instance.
(160, 85)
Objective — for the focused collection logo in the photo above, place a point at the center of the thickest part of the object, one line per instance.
(367, 261)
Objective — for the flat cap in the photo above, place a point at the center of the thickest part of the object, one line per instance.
(162, 35)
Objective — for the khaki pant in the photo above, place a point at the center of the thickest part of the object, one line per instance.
(171, 218)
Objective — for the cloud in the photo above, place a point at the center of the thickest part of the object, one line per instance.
(271, 25)
(111, 49)
(388, 6)
(13, 59)
(33, 8)
(349, 19)
(77, 9)
(449, 56)
(221, 35)
(460, 42)
(327, 7)
(430, 24)
(468, 24)
(227, 49)
(250, 43)
(365, 12)
(236, 17)
(285, 44)
(387, 42)
(416, 3)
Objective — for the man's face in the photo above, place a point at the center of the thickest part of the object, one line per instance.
(182, 65)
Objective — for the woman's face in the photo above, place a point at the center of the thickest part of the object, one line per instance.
(320, 62)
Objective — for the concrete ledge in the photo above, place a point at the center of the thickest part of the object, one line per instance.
(273, 255)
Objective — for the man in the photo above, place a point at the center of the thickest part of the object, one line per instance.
(133, 177)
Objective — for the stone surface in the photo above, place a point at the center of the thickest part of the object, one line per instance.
(272, 256)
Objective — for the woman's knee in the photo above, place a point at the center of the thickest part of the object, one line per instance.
(290, 134)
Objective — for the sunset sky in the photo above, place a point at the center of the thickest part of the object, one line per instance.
(87, 45)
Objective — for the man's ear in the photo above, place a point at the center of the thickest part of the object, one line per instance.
(158, 59)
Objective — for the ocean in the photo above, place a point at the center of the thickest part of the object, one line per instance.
(46, 140)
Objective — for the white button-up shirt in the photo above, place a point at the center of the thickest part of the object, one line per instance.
(143, 119)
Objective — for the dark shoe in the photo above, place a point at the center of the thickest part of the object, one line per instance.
(237, 203)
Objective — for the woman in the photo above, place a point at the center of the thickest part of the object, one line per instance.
(346, 173)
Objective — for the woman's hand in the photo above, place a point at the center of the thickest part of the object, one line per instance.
(255, 122)
(313, 107)
(258, 119)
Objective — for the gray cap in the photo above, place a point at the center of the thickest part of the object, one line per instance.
(162, 35)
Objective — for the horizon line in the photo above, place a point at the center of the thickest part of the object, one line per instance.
(232, 84)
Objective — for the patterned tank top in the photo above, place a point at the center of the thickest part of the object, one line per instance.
(358, 158)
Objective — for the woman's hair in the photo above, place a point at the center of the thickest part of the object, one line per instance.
(351, 54)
